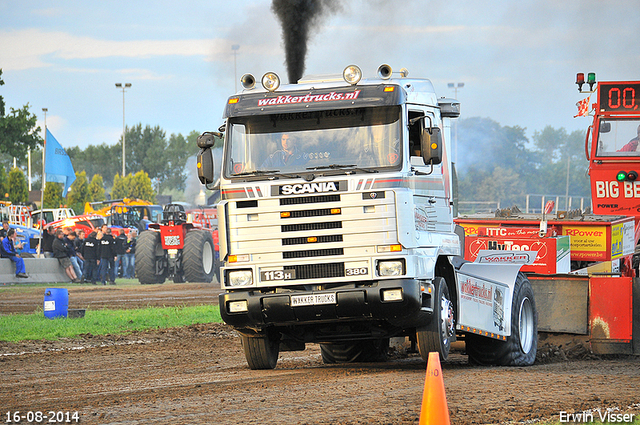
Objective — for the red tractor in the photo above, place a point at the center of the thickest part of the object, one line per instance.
(175, 248)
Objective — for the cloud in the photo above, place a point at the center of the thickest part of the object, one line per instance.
(33, 48)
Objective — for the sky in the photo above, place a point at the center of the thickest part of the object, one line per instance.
(517, 59)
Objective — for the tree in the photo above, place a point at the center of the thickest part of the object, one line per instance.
(4, 184)
(141, 187)
(96, 189)
(53, 195)
(18, 130)
(120, 187)
(102, 159)
(18, 193)
(133, 186)
(79, 193)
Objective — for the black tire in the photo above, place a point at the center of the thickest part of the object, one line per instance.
(261, 352)
(521, 347)
(198, 256)
(216, 266)
(178, 278)
(360, 351)
(149, 258)
(441, 330)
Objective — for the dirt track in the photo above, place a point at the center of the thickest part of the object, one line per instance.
(198, 374)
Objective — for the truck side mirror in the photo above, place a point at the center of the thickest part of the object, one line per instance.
(431, 145)
(205, 166)
(605, 127)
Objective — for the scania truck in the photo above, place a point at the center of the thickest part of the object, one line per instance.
(336, 225)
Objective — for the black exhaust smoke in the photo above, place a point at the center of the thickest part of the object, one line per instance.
(298, 18)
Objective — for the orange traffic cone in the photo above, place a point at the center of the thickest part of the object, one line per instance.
(434, 409)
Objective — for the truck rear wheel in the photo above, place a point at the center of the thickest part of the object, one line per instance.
(360, 351)
(149, 262)
(439, 333)
(198, 257)
(521, 347)
(261, 352)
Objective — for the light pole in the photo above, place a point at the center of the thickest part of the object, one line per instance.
(44, 151)
(235, 48)
(455, 88)
(124, 133)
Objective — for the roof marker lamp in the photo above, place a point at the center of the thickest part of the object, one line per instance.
(352, 74)
(271, 81)
(591, 80)
(580, 80)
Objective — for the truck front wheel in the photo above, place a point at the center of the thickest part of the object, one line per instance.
(439, 333)
(521, 346)
(261, 352)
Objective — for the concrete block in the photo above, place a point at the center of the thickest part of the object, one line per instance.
(40, 270)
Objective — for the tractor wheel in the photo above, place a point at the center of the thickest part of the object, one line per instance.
(439, 333)
(149, 261)
(521, 346)
(360, 351)
(261, 352)
(198, 257)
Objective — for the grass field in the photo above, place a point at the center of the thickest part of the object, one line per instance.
(19, 327)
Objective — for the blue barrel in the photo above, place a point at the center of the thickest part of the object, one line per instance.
(56, 302)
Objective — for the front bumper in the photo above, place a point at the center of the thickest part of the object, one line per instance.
(362, 303)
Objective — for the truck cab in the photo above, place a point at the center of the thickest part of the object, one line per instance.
(336, 219)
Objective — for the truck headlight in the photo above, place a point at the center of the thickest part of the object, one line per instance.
(391, 268)
(240, 278)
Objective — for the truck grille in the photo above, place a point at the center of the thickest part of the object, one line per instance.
(313, 253)
(320, 239)
(309, 199)
(317, 271)
(312, 236)
(311, 226)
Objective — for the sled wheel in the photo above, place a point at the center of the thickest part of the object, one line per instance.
(521, 347)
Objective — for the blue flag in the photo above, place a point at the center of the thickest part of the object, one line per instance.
(57, 165)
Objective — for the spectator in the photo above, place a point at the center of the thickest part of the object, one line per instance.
(130, 255)
(91, 253)
(4, 230)
(107, 258)
(69, 241)
(9, 251)
(77, 244)
(121, 250)
(62, 254)
(48, 236)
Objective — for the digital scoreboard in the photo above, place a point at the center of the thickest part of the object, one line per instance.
(620, 97)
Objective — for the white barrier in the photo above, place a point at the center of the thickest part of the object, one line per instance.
(40, 270)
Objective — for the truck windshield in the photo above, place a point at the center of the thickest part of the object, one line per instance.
(618, 137)
(358, 139)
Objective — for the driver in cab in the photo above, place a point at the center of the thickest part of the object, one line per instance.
(287, 156)
(632, 146)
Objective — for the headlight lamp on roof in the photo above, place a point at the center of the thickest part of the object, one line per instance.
(270, 81)
(352, 74)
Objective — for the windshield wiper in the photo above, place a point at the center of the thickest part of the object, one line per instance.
(255, 173)
(349, 167)
(273, 173)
